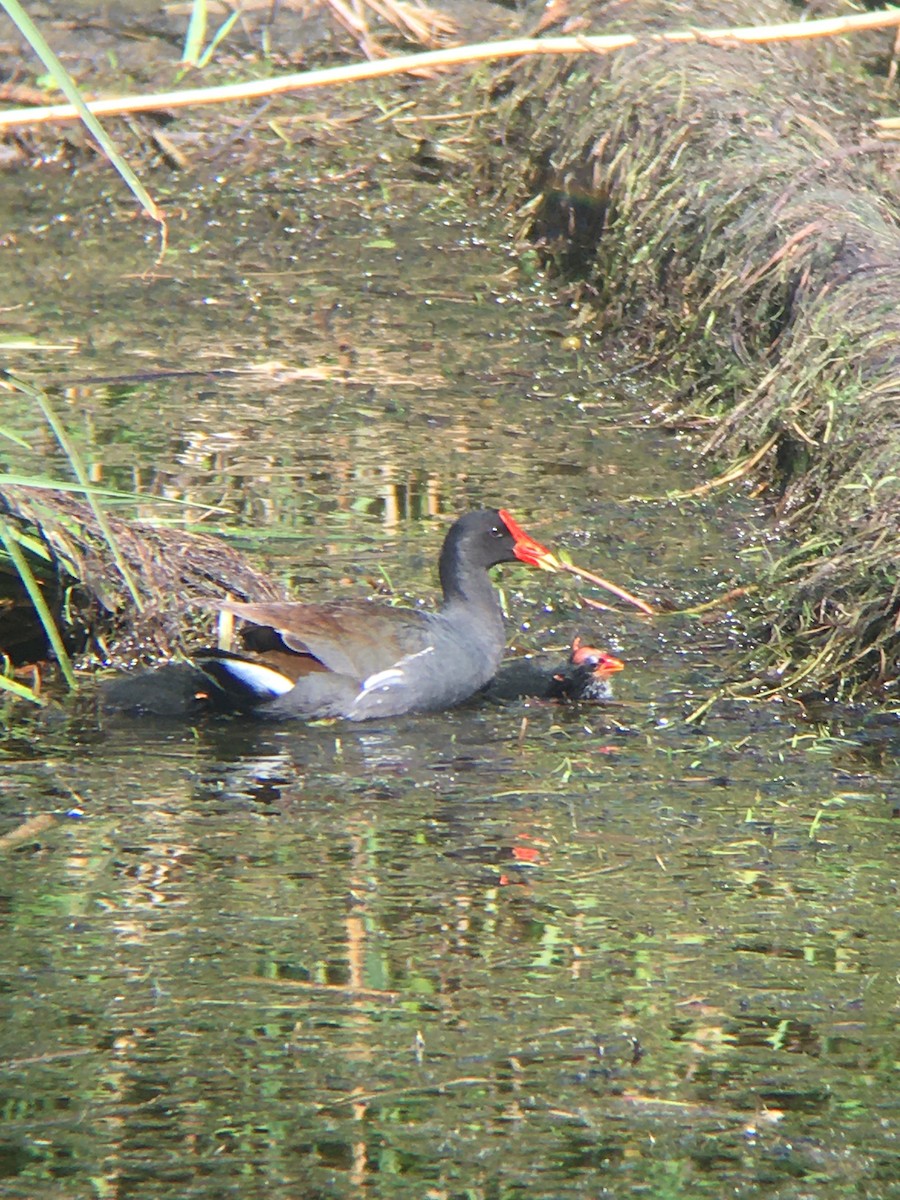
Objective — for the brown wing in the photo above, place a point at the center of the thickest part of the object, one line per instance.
(354, 638)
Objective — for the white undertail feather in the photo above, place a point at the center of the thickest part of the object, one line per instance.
(265, 682)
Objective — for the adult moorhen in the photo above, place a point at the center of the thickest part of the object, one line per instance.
(584, 676)
(356, 659)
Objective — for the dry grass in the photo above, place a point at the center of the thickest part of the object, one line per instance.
(724, 205)
(179, 577)
(413, 20)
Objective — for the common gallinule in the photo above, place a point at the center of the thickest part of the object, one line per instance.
(356, 659)
(584, 676)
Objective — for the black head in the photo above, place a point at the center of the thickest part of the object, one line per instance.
(482, 539)
(586, 675)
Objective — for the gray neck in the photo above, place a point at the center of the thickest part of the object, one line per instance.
(462, 580)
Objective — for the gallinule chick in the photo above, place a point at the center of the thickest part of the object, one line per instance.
(584, 676)
(176, 690)
(587, 674)
(360, 660)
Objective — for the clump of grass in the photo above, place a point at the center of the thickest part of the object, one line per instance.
(98, 584)
(757, 258)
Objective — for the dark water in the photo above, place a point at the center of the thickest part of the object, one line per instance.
(493, 953)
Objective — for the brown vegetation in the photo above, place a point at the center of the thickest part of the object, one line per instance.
(177, 575)
(729, 206)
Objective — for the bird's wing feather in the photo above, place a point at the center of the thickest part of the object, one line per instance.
(357, 639)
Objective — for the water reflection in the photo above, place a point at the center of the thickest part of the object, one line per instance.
(371, 938)
(603, 950)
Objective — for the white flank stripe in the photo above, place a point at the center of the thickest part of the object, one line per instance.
(393, 675)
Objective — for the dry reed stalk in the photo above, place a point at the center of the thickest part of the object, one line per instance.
(456, 56)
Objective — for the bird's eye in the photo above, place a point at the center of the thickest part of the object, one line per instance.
(496, 531)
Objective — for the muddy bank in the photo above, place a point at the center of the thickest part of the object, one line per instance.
(727, 210)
